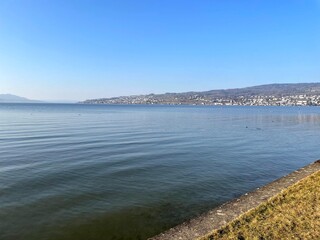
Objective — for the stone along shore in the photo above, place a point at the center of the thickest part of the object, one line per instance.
(219, 217)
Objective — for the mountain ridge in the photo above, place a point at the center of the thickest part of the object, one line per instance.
(10, 98)
(220, 96)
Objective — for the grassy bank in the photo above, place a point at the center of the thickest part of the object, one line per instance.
(292, 214)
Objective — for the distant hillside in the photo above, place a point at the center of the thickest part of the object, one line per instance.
(271, 94)
(269, 90)
(9, 98)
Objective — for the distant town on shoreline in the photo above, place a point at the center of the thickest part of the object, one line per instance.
(300, 94)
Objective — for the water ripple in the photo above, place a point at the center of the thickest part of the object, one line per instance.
(128, 172)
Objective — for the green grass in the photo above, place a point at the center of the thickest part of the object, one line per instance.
(292, 214)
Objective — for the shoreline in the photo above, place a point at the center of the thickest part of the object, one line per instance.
(225, 213)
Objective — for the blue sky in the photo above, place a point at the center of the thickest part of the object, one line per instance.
(88, 49)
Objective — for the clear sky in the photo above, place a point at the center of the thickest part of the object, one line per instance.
(64, 49)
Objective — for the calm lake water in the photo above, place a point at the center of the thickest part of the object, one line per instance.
(129, 172)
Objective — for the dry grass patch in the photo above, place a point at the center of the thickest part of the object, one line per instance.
(292, 214)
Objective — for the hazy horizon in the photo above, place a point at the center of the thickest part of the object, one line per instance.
(62, 50)
(75, 101)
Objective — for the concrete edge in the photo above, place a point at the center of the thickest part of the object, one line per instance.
(221, 215)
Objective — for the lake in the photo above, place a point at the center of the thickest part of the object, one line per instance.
(72, 171)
